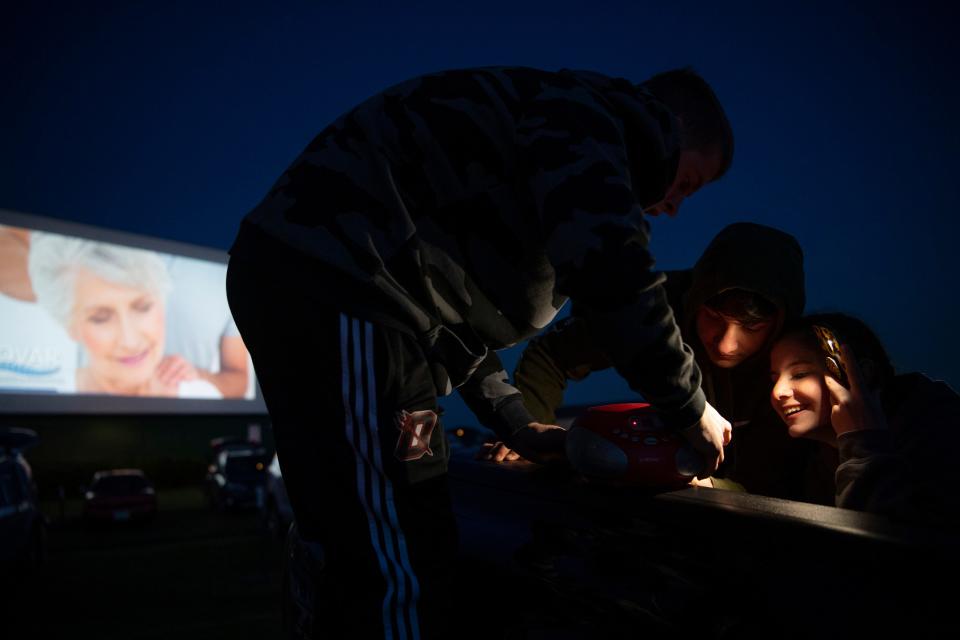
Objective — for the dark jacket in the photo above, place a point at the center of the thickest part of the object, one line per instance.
(747, 256)
(906, 471)
(466, 207)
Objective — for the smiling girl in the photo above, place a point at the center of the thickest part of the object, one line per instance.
(897, 435)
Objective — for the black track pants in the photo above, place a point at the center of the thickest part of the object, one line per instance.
(362, 452)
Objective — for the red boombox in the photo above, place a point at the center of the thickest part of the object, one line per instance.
(628, 444)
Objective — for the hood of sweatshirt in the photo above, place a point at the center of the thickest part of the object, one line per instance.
(752, 257)
(651, 133)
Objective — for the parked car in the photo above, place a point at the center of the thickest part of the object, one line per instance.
(276, 511)
(120, 495)
(22, 525)
(236, 479)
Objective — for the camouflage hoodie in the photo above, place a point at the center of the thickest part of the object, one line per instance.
(466, 207)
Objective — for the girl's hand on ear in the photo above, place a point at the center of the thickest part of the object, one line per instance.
(857, 407)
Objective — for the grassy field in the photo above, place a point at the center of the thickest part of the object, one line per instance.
(190, 573)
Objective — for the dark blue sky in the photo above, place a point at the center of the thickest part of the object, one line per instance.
(172, 120)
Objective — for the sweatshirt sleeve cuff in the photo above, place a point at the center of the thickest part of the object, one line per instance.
(511, 416)
(864, 443)
(687, 415)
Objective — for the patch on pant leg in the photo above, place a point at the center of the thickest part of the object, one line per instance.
(415, 431)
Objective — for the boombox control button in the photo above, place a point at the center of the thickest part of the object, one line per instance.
(634, 438)
(617, 432)
(650, 440)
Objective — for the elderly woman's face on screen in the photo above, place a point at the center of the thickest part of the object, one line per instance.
(121, 327)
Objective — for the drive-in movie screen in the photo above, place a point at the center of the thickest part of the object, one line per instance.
(95, 325)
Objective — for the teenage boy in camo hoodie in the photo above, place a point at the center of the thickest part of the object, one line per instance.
(440, 220)
(730, 308)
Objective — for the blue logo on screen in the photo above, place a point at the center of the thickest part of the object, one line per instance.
(24, 370)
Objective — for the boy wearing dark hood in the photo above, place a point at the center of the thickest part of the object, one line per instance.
(730, 308)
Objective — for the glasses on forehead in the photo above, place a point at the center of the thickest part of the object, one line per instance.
(831, 349)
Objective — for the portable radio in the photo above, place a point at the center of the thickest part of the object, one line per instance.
(628, 444)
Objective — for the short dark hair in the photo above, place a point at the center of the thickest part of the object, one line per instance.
(705, 126)
(851, 331)
(745, 307)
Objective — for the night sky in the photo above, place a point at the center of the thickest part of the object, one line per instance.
(173, 120)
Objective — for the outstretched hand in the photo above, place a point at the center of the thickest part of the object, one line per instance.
(498, 452)
(708, 437)
(857, 407)
(540, 443)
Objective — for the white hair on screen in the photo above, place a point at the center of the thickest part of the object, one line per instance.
(55, 259)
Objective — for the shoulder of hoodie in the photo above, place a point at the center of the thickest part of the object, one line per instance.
(919, 402)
